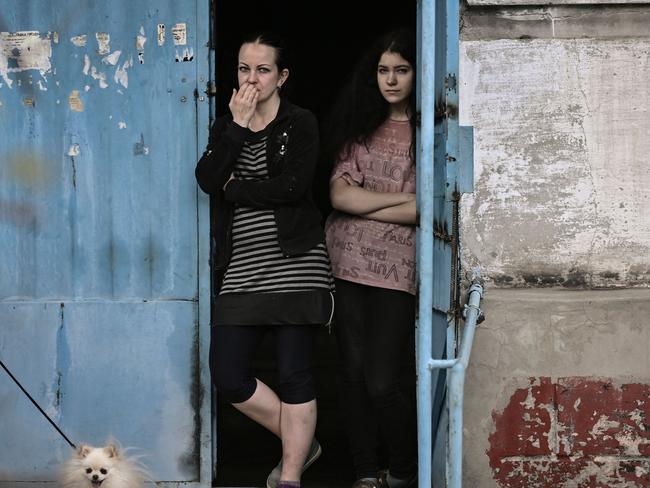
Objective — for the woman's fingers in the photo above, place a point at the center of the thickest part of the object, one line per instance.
(246, 93)
(251, 93)
(243, 103)
(241, 91)
(247, 96)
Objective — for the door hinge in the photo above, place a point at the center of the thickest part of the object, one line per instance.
(211, 89)
(440, 232)
(445, 110)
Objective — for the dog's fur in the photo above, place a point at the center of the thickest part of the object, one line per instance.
(105, 467)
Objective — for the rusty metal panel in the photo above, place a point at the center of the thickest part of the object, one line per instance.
(99, 232)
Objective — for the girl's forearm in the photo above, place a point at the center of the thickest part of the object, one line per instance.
(359, 201)
(404, 213)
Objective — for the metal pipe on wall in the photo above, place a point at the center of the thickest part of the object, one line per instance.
(457, 388)
(455, 392)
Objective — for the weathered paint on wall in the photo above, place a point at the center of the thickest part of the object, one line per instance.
(100, 234)
(558, 387)
(23, 51)
(550, 2)
(562, 187)
(607, 21)
(102, 199)
(575, 431)
(580, 342)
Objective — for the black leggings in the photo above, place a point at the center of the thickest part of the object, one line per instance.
(231, 354)
(375, 330)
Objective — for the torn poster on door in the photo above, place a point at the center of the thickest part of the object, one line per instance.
(24, 50)
(161, 34)
(179, 33)
(103, 43)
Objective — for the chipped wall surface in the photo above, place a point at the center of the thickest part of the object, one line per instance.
(581, 431)
(559, 21)
(558, 386)
(562, 189)
(558, 391)
(551, 2)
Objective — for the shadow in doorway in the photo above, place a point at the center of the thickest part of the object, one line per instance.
(327, 39)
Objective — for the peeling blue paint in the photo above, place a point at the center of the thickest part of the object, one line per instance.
(100, 278)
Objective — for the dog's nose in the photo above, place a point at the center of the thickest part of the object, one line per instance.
(95, 477)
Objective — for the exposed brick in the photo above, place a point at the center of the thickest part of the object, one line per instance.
(602, 419)
(592, 434)
(522, 428)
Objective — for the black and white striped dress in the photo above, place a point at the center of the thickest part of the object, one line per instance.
(261, 284)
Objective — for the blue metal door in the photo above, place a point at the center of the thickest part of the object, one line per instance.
(104, 288)
(444, 164)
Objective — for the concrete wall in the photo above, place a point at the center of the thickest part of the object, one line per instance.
(558, 391)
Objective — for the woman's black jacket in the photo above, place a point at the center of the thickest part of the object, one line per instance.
(292, 155)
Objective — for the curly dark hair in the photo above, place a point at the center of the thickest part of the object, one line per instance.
(361, 108)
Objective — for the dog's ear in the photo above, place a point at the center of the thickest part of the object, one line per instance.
(83, 450)
(112, 450)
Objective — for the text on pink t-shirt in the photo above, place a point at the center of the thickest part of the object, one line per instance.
(368, 251)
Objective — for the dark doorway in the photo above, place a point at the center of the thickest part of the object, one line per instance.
(326, 38)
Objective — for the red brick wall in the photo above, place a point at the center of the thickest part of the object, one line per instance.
(574, 432)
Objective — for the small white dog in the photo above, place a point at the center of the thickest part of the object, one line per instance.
(105, 467)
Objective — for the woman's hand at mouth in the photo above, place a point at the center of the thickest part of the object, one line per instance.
(243, 103)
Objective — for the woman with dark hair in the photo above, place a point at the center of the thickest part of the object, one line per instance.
(371, 241)
(271, 271)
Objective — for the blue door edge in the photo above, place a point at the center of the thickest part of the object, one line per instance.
(204, 75)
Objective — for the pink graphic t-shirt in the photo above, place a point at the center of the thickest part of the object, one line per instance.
(368, 251)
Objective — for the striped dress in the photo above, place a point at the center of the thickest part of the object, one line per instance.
(261, 283)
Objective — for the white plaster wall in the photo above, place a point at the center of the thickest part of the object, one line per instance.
(562, 198)
(562, 170)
